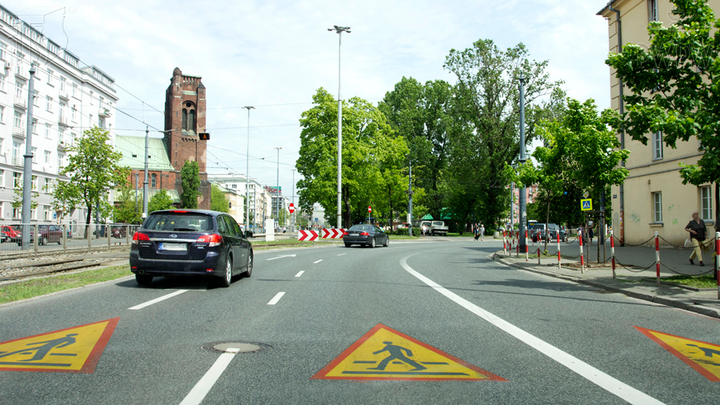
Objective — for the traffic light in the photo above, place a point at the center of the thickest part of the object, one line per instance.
(204, 136)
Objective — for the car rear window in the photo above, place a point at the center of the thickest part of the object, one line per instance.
(540, 227)
(179, 222)
(361, 228)
(438, 223)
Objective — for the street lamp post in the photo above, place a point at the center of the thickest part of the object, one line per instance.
(292, 227)
(278, 185)
(247, 173)
(27, 165)
(339, 31)
(522, 214)
(145, 182)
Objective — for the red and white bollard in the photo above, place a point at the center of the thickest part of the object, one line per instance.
(612, 252)
(582, 256)
(558, 245)
(527, 251)
(538, 252)
(504, 243)
(657, 258)
(517, 244)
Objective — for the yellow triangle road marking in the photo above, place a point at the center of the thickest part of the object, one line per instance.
(386, 354)
(71, 350)
(702, 356)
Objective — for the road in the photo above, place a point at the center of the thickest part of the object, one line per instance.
(533, 339)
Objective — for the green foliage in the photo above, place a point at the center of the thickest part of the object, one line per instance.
(128, 208)
(218, 201)
(160, 201)
(18, 196)
(93, 171)
(369, 152)
(675, 86)
(190, 175)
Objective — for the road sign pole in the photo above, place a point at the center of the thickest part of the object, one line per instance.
(522, 201)
(612, 252)
(582, 256)
(717, 262)
(657, 258)
(558, 246)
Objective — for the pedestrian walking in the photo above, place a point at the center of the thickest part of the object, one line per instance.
(697, 230)
(476, 231)
(482, 232)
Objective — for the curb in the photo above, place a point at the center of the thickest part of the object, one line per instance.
(712, 312)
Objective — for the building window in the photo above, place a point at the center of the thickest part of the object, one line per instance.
(706, 203)
(34, 126)
(46, 212)
(2, 114)
(17, 180)
(657, 145)
(47, 130)
(50, 76)
(34, 155)
(19, 90)
(17, 123)
(62, 83)
(17, 213)
(74, 90)
(16, 155)
(48, 103)
(2, 83)
(657, 207)
(47, 156)
(61, 136)
(153, 180)
(48, 188)
(3, 51)
(34, 183)
(74, 114)
(2, 178)
(653, 11)
(33, 213)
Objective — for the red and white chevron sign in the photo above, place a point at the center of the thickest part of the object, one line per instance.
(307, 236)
(333, 233)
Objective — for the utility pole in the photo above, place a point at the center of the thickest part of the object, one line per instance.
(410, 193)
(522, 214)
(247, 174)
(278, 185)
(292, 227)
(27, 168)
(145, 182)
(339, 31)
(512, 205)
(137, 180)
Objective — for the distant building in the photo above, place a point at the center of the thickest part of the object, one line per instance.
(185, 118)
(260, 199)
(236, 206)
(69, 99)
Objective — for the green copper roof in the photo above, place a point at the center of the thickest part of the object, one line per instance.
(132, 148)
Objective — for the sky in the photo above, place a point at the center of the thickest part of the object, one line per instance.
(274, 55)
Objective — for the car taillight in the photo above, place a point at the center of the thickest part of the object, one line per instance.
(213, 240)
(139, 236)
(364, 234)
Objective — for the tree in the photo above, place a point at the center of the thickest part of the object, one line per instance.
(93, 171)
(487, 101)
(129, 206)
(190, 176)
(160, 201)
(18, 196)
(675, 87)
(218, 201)
(368, 147)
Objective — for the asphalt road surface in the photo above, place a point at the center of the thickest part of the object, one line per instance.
(316, 313)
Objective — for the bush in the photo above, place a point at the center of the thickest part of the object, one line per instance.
(402, 231)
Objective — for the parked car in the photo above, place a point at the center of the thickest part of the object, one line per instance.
(190, 242)
(11, 232)
(368, 235)
(118, 231)
(47, 234)
(3, 237)
(539, 232)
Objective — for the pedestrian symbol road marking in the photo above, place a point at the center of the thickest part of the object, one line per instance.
(386, 354)
(72, 350)
(702, 356)
(586, 204)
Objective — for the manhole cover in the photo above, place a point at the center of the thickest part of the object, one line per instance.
(235, 347)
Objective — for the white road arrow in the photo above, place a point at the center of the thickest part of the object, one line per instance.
(280, 257)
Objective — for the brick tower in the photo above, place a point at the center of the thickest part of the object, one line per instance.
(184, 119)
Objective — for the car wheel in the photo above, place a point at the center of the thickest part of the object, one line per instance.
(227, 277)
(372, 242)
(60, 240)
(249, 266)
(387, 241)
(348, 245)
(43, 241)
(143, 279)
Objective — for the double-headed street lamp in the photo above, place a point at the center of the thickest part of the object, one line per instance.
(247, 173)
(339, 31)
(278, 185)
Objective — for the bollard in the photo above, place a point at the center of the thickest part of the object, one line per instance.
(582, 256)
(517, 244)
(64, 238)
(527, 257)
(558, 245)
(538, 251)
(717, 261)
(35, 239)
(612, 252)
(657, 258)
(504, 243)
(108, 233)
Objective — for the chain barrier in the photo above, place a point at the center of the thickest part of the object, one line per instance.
(630, 245)
(633, 270)
(685, 274)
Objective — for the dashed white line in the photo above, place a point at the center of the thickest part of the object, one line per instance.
(317, 261)
(342, 254)
(156, 300)
(300, 273)
(198, 393)
(280, 257)
(276, 298)
(583, 369)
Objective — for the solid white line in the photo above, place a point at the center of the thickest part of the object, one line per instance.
(342, 254)
(276, 298)
(197, 394)
(317, 261)
(585, 370)
(156, 300)
(300, 273)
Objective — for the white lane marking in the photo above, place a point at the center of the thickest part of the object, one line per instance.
(280, 257)
(156, 300)
(342, 254)
(276, 298)
(317, 261)
(585, 370)
(200, 390)
(300, 273)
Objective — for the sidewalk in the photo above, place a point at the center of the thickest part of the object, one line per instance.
(634, 280)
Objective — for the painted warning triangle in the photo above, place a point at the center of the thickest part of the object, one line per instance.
(71, 350)
(386, 354)
(702, 356)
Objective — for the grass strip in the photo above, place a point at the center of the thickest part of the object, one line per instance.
(42, 286)
(705, 281)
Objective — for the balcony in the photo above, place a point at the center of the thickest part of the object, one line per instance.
(20, 73)
(61, 146)
(18, 161)
(18, 133)
(20, 102)
(62, 94)
(103, 112)
(63, 121)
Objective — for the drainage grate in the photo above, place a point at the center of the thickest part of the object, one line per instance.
(235, 347)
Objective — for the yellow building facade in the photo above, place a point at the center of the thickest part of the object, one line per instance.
(653, 197)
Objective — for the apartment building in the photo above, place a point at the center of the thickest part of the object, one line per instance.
(652, 197)
(260, 200)
(69, 98)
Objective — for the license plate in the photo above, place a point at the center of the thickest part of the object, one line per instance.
(175, 247)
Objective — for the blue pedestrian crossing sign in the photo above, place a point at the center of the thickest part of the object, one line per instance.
(586, 204)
